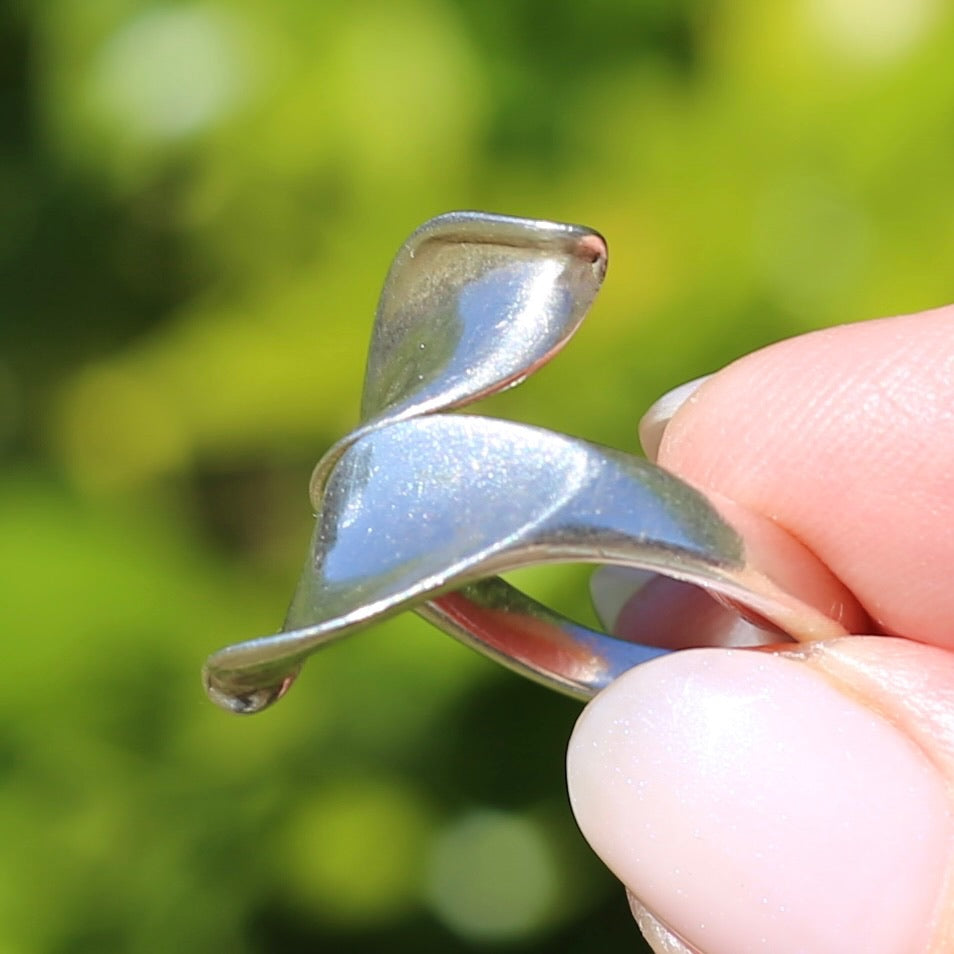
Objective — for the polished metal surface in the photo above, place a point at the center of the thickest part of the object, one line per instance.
(419, 509)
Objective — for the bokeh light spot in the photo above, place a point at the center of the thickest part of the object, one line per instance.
(169, 73)
(352, 855)
(493, 876)
(873, 30)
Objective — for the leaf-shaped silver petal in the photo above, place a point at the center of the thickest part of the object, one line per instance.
(474, 303)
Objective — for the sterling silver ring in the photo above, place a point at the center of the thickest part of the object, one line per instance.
(420, 509)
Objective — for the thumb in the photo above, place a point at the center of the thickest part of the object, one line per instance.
(786, 803)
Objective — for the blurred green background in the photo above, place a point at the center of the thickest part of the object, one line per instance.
(198, 204)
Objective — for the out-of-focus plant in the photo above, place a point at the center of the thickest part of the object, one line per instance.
(199, 203)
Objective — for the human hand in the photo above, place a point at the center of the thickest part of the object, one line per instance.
(802, 800)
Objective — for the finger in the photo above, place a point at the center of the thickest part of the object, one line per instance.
(845, 438)
(755, 802)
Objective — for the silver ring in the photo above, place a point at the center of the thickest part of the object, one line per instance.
(420, 509)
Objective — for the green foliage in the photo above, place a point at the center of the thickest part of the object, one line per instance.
(200, 201)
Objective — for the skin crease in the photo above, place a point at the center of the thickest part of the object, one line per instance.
(802, 801)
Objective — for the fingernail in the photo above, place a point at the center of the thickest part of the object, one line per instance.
(750, 805)
(653, 422)
(656, 934)
(611, 588)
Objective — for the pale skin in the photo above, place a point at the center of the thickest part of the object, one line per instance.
(801, 801)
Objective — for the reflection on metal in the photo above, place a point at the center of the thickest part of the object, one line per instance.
(419, 509)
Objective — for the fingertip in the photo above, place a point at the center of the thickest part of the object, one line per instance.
(844, 438)
(750, 805)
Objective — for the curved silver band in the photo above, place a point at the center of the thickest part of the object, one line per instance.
(420, 509)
